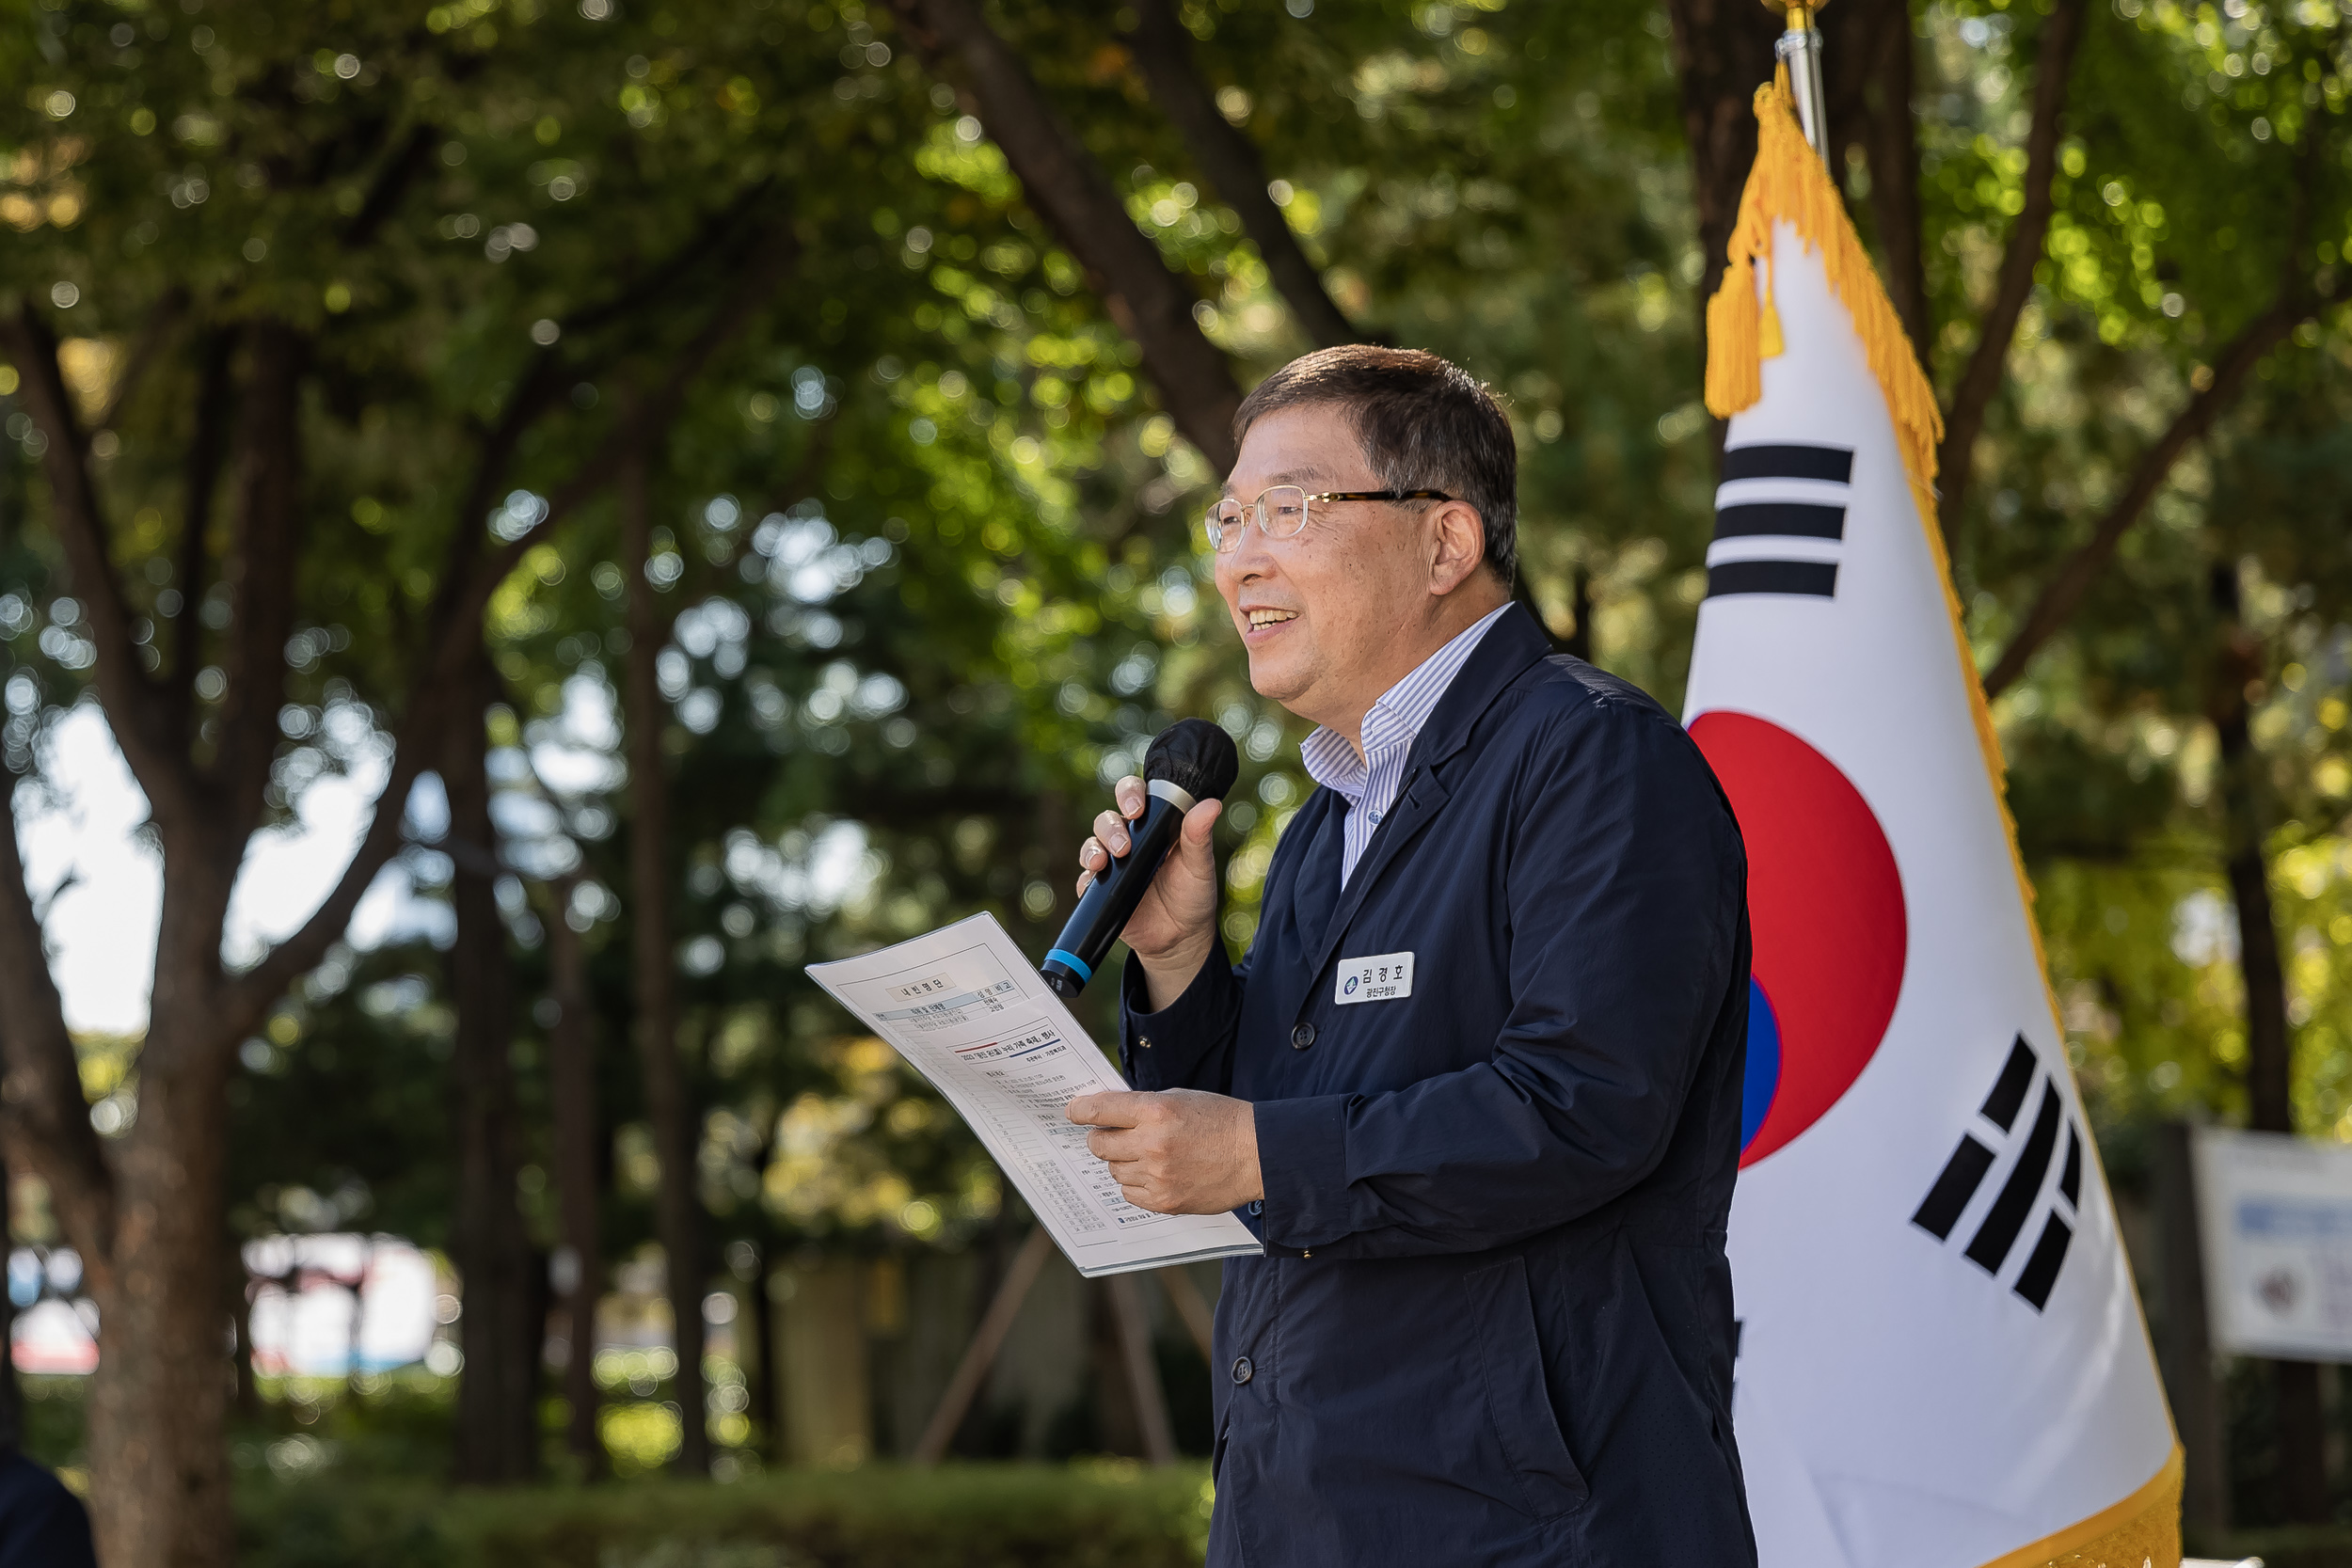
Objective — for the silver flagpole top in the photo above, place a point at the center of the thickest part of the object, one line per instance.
(1799, 49)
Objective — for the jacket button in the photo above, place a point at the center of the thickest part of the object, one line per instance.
(1302, 1037)
(1243, 1371)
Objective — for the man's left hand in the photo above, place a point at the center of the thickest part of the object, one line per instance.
(1174, 1151)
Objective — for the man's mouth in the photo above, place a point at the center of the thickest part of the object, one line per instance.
(1261, 619)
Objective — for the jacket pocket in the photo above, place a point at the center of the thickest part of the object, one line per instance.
(1217, 1454)
(1513, 1361)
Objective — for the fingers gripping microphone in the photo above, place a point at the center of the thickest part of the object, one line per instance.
(1188, 762)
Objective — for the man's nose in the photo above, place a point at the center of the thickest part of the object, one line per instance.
(1250, 558)
(1240, 566)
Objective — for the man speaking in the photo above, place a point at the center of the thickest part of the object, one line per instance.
(1477, 1082)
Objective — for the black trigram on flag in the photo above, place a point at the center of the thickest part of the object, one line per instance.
(2005, 1219)
(1780, 516)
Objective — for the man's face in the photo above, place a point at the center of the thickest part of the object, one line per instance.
(1323, 613)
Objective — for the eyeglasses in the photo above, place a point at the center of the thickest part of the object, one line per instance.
(1282, 512)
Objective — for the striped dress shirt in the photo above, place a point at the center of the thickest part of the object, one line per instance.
(1369, 783)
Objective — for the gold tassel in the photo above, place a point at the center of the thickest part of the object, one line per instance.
(1770, 345)
(1732, 377)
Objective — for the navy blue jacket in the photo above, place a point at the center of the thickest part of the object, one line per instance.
(41, 1524)
(1493, 1325)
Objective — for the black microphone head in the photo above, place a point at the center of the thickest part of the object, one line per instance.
(1196, 756)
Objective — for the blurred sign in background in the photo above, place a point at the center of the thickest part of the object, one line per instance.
(331, 1306)
(325, 1305)
(2276, 1217)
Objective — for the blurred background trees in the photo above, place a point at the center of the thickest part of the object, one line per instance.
(724, 476)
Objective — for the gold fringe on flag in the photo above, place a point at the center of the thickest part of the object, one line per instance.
(1789, 184)
(2141, 1531)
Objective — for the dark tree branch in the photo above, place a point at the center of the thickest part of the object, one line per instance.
(1151, 303)
(458, 629)
(266, 551)
(392, 183)
(2298, 301)
(42, 1107)
(2065, 592)
(200, 477)
(1988, 362)
(246, 997)
(772, 256)
(541, 386)
(134, 706)
(163, 318)
(1230, 160)
(724, 232)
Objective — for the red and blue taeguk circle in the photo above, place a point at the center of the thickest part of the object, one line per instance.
(1825, 904)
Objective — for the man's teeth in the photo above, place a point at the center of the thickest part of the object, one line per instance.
(1270, 617)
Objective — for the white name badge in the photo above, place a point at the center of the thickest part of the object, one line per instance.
(1383, 977)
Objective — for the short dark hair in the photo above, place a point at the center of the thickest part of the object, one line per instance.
(1424, 424)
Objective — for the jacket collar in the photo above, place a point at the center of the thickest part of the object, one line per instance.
(1510, 646)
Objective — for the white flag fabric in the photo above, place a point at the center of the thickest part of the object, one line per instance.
(1943, 1362)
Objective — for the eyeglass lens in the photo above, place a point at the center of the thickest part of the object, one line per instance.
(1281, 513)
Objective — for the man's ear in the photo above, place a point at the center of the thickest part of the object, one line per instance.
(1457, 544)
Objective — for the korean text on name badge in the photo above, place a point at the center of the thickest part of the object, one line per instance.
(1382, 977)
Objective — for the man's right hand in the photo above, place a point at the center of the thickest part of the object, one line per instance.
(1174, 928)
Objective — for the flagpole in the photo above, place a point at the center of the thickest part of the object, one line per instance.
(1800, 50)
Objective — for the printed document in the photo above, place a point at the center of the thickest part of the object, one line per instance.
(967, 1009)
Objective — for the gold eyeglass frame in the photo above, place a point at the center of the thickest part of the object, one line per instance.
(1257, 510)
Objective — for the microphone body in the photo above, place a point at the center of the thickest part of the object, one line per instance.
(1102, 914)
(1189, 762)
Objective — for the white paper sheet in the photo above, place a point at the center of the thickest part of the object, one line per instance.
(967, 1007)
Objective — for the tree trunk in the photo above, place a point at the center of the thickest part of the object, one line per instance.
(158, 1400)
(245, 1398)
(498, 1391)
(678, 1217)
(1868, 67)
(2270, 1043)
(767, 1411)
(572, 1089)
(1723, 52)
(1578, 643)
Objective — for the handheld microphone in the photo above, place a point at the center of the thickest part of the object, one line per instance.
(1189, 762)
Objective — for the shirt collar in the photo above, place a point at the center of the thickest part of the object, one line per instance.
(1395, 718)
